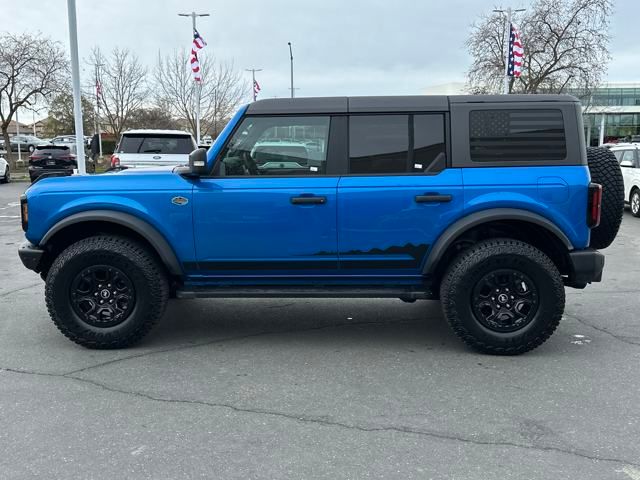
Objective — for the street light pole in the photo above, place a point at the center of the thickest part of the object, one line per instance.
(253, 83)
(293, 92)
(193, 16)
(75, 78)
(509, 12)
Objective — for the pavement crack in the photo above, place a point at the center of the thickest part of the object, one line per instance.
(230, 339)
(327, 422)
(26, 287)
(621, 338)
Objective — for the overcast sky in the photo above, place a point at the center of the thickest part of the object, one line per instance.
(341, 47)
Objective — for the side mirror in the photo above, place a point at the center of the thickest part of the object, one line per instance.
(626, 163)
(198, 162)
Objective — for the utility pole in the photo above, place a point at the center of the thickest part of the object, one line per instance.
(509, 12)
(293, 91)
(96, 118)
(253, 83)
(75, 77)
(193, 16)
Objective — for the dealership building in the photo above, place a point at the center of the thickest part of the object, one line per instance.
(612, 113)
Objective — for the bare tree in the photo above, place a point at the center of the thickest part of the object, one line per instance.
(565, 44)
(123, 86)
(175, 91)
(32, 67)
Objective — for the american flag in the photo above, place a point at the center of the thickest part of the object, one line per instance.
(198, 44)
(256, 88)
(516, 53)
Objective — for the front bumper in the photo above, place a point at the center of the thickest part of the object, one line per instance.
(30, 255)
(586, 267)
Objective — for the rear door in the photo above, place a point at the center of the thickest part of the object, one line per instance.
(151, 149)
(399, 194)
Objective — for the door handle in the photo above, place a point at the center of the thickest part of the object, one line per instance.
(308, 200)
(433, 198)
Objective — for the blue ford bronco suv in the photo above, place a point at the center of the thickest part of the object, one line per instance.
(491, 204)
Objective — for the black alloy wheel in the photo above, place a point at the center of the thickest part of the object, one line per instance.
(505, 300)
(102, 296)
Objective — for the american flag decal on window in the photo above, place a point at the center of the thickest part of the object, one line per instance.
(516, 53)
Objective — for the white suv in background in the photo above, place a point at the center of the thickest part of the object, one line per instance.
(628, 154)
(153, 148)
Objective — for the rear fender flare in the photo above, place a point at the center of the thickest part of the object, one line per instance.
(478, 218)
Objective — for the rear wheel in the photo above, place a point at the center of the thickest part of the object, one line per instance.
(605, 170)
(106, 292)
(503, 297)
(634, 202)
(7, 176)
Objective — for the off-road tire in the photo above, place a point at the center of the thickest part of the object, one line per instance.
(634, 202)
(605, 170)
(142, 268)
(472, 265)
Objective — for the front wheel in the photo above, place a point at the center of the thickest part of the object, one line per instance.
(503, 297)
(635, 203)
(106, 292)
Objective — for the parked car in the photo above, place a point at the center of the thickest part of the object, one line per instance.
(5, 171)
(629, 157)
(152, 148)
(51, 160)
(26, 143)
(70, 141)
(491, 204)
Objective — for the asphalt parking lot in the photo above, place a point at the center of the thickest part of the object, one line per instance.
(335, 389)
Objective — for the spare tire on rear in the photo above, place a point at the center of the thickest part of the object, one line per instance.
(605, 170)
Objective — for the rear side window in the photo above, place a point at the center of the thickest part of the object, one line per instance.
(158, 144)
(517, 135)
(394, 144)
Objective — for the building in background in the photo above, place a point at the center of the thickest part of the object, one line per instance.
(24, 129)
(611, 113)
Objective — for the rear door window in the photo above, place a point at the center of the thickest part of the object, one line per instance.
(156, 144)
(395, 144)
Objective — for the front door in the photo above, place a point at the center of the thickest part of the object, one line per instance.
(398, 197)
(271, 209)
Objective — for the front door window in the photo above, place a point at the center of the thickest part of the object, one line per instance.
(277, 146)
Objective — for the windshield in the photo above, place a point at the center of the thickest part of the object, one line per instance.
(158, 144)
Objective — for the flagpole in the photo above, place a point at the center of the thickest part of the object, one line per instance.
(193, 16)
(253, 81)
(507, 79)
(75, 80)
(199, 92)
(506, 60)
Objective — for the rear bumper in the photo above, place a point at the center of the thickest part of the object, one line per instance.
(30, 255)
(35, 174)
(586, 267)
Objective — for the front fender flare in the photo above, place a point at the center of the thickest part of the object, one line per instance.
(144, 229)
(478, 218)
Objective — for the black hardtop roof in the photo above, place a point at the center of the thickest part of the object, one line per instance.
(414, 103)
